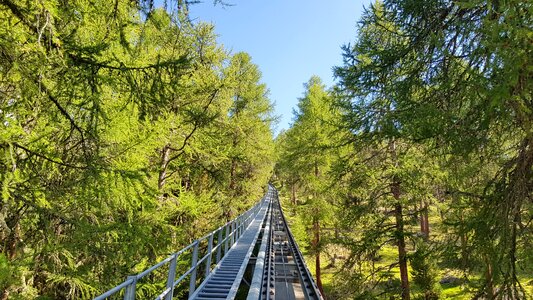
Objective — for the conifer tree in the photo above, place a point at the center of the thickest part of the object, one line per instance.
(461, 87)
(308, 156)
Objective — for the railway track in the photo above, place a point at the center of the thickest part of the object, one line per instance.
(286, 275)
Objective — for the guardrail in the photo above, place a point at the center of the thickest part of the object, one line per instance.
(216, 245)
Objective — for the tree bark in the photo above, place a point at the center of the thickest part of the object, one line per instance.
(232, 179)
(421, 217)
(316, 242)
(400, 239)
(293, 193)
(424, 219)
(464, 246)
(402, 253)
(4, 295)
(489, 277)
(165, 156)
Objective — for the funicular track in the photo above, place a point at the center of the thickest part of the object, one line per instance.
(286, 275)
(253, 257)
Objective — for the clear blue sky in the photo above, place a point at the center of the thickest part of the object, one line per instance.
(289, 40)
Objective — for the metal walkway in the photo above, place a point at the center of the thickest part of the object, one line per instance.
(225, 279)
(253, 257)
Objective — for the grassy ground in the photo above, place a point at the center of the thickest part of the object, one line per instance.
(448, 291)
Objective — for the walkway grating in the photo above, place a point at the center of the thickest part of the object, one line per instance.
(225, 279)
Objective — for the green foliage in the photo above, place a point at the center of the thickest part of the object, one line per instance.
(425, 271)
(6, 272)
(113, 143)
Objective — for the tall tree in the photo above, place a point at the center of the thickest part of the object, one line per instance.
(250, 119)
(307, 156)
(462, 86)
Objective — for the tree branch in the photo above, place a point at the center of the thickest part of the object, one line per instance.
(196, 125)
(47, 158)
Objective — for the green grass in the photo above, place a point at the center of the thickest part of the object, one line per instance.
(455, 292)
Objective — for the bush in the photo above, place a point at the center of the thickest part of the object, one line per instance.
(425, 271)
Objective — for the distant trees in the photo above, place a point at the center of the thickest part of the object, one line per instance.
(114, 146)
(306, 160)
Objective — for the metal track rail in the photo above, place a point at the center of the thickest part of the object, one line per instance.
(285, 275)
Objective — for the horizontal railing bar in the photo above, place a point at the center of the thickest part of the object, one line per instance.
(229, 222)
(241, 222)
(182, 277)
(166, 260)
(206, 236)
(163, 294)
(201, 260)
(148, 271)
(115, 289)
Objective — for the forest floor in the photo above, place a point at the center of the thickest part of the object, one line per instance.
(459, 289)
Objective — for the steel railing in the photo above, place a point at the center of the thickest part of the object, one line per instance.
(218, 243)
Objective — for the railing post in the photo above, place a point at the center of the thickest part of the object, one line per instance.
(129, 293)
(192, 283)
(219, 248)
(236, 229)
(226, 229)
(232, 233)
(209, 254)
(239, 222)
(171, 276)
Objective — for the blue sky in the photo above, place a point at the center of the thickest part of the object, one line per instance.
(289, 40)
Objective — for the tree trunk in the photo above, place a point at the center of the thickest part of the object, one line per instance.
(316, 242)
(420, 215)
(232, 179)
(424, 219)
(520, 189)
(335, 255)
(400, 239)
(489, 277)
(165, 156)
(4, 295)
(293, 193)
(402, 253)
(464, 246)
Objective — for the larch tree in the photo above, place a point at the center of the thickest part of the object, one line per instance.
(308, 155)
(462, 86)
(110, 118)
(250, 119)
(388, 176)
